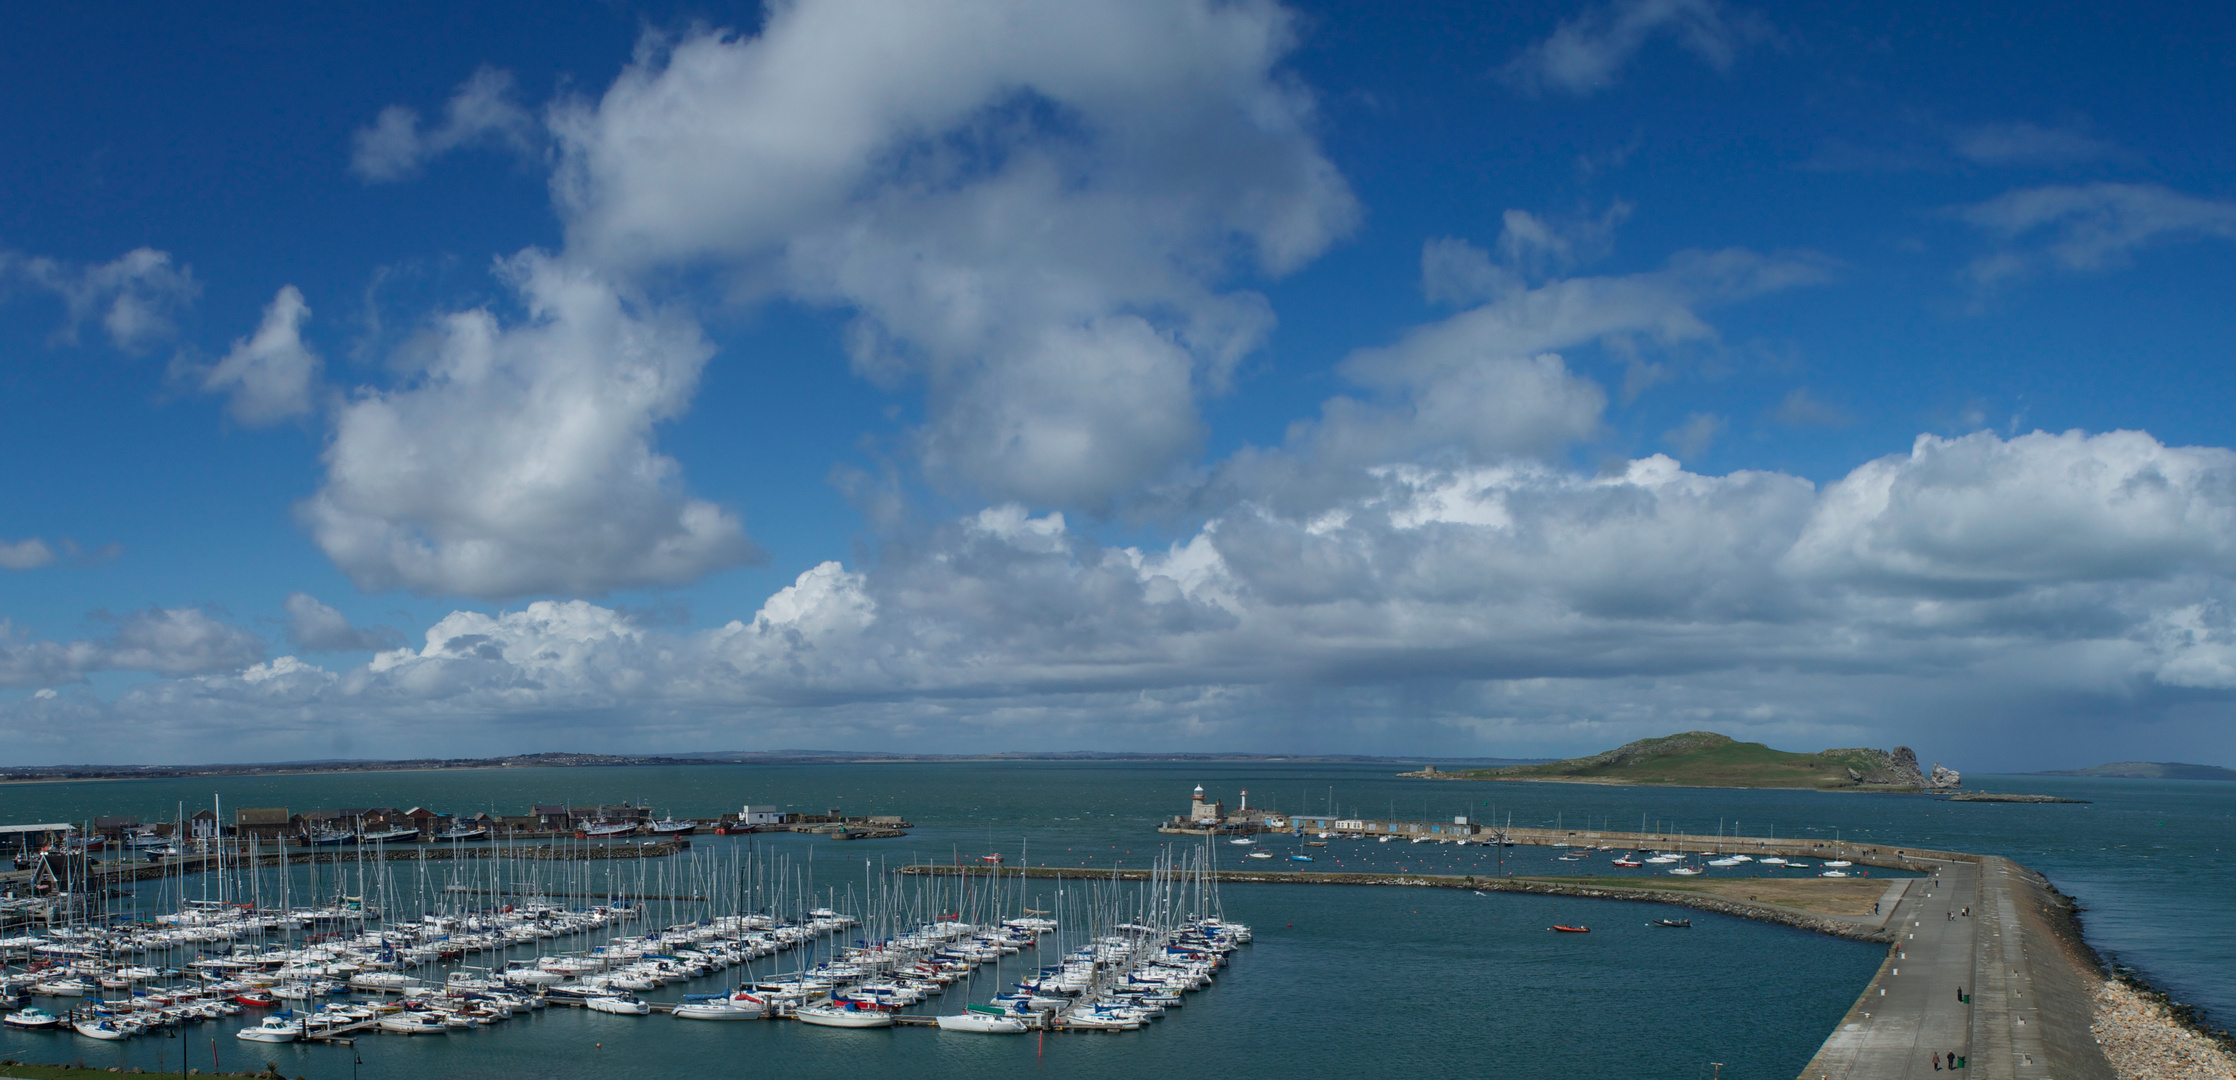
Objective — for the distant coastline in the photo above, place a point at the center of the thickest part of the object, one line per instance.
(50, 774)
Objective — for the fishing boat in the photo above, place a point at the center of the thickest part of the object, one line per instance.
(842, 1016)
(669, 826)
(609, 828)
(276, 1028)
(464, 832)
(32, 1020)
(1571, 929)
(333, 838)
(398, 835)
(717, 1007)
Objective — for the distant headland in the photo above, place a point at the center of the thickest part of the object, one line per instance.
(1707, 759)
(2150, 770)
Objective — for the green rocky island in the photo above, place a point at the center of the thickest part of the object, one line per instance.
(1707, 759)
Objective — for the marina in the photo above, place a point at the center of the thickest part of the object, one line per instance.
(1499, 895)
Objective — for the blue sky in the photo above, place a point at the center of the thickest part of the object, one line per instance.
(1447, 380)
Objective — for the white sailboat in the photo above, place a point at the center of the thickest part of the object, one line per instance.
(842, 1016)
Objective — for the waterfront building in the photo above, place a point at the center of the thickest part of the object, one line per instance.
(263, 823)
(760, 815)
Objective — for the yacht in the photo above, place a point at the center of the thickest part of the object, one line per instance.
(717, 1007)
(842, 1016)
(983, 1023)
(618, 1004)
(414, 1023)
(277, 1028)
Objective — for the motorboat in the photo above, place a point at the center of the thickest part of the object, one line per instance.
(32, 1020)
(718, 1007)
(842, 1016)
(1686, 871)
(1300, 858)
(1557, 928)
(276, 1028)
(1627, 862)
(1261, 854)
(618, 1005)
(1242, 841)
(1677, 924)
(66, 986)
(1833, 873)
(256, 999)
(984, 1023)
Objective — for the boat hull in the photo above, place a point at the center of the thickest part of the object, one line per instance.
(844, 1018)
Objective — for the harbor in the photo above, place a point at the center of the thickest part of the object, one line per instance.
(1500, 890)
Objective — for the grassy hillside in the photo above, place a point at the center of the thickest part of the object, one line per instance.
(2152, 770)
(1706, 759)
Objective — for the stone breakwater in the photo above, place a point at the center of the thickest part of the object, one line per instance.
(1784, 916)
(2145, 1037)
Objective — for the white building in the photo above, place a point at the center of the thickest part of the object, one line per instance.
(760, 815)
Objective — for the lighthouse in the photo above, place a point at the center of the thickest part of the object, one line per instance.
(1202, 809)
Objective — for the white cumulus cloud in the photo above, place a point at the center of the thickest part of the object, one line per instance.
(518, 459)
(269, 376)
(1031, 208)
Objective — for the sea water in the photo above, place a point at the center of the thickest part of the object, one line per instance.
(1360, 980)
